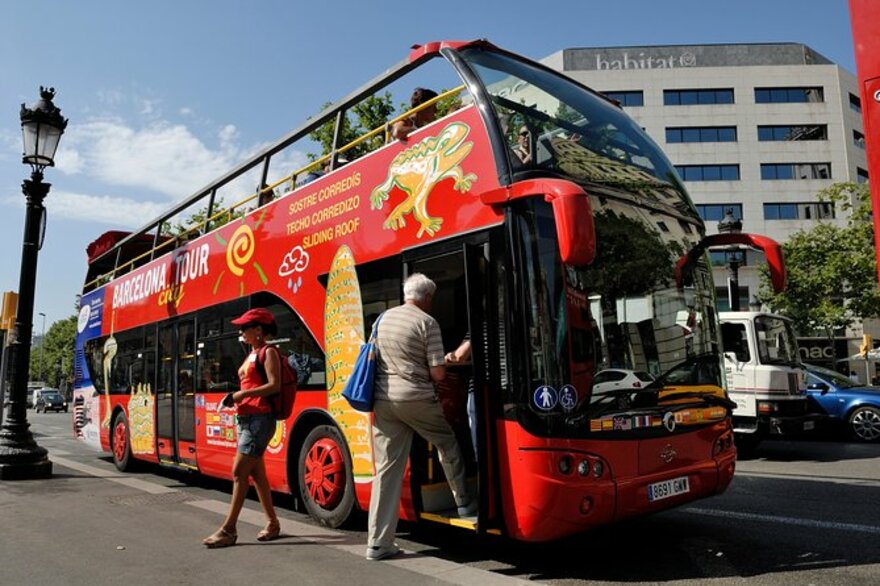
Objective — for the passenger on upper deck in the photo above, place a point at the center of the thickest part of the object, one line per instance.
(523, 148)
(402, 128)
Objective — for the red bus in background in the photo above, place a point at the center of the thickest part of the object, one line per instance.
(865, 14)
(585, 256)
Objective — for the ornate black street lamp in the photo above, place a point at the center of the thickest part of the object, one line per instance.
(41, 128)
(730, 225)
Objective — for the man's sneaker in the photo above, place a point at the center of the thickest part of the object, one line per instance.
(376, 553)
(468, 509)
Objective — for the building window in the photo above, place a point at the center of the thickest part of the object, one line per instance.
(713, 212)
(855, 103)
(721, 258)
(697, 97)
(708, 172)
(799, 211)
(811, 132)
(627, 98)
(787, 95)
(701, 134)
(723, 303)
(858, 139)
(796, 171)
(861, 175)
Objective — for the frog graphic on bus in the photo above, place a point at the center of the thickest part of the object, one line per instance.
(418, 169)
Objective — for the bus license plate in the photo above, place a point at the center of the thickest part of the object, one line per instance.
(668, 488)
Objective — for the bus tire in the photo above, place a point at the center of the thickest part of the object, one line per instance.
(325, 480)
(120, 443)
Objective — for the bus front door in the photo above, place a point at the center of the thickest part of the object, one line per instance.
(459, 307)
(175, 398)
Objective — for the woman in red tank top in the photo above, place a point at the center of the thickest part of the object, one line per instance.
(256, 426)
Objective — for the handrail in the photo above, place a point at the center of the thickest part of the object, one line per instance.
(291, 178)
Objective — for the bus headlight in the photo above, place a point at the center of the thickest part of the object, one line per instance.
(583, 467)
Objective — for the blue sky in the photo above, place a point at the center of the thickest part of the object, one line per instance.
(163, 96)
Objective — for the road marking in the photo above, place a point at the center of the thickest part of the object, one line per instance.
(832, 479)
(812, 523)
(447, 571)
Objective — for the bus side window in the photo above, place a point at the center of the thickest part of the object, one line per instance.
(295, 342)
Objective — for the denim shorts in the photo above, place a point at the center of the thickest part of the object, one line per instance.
(254, 433)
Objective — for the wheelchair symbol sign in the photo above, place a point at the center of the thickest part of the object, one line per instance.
(567, 398)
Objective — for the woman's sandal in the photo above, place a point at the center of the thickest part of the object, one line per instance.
(221, 538)
(271, 532)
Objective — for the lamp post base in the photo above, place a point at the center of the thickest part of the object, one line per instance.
(20, 456)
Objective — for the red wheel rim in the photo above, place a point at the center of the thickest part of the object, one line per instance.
(120, 441)
(325, 473)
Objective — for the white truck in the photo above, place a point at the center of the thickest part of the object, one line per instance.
(765, 377)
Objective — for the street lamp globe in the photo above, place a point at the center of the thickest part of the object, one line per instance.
(729, 224)
(41, 128)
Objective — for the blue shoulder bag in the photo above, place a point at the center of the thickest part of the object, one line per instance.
(358, 389)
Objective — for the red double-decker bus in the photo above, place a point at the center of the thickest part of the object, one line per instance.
(562, 242)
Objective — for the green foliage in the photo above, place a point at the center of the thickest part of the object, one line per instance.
(195, 219)
(372, 112)
(832, 278)
(56, 351)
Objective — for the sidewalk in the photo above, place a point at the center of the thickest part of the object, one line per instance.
(89, 524)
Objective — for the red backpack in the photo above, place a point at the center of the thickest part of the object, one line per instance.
(282, 401)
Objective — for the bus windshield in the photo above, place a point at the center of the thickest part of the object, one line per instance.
(622, 313)
(552, 124)
(776, 340)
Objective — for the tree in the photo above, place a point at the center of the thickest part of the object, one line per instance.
(831, 269)
(372, 112)
(57, 353)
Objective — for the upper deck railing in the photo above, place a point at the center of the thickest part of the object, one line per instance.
(113, 258)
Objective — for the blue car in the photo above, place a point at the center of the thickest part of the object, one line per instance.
(845, 402)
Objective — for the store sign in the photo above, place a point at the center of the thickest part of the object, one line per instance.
(821, 350)
(642, 60)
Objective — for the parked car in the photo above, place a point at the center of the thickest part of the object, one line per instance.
(851, 405)
(49, 400)
(613, 379)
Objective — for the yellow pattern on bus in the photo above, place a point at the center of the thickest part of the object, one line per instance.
(140, 414)
(343, 337)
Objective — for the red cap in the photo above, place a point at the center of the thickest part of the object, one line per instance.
(257, 315)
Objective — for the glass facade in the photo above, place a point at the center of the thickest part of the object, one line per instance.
(715, 212)
(677, 134)
(784, 95)
(708, 172)
(627, 98)
(808, 132)
(697, 97)
(771, 171)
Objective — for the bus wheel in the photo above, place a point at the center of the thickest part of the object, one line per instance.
(325, 480)
(120, 443)
(864, 423)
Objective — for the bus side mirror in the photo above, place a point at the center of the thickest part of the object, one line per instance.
(575, 229)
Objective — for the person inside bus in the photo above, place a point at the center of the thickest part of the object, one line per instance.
(256, 426)
(410, 362)
(402, 128)
(462, 355)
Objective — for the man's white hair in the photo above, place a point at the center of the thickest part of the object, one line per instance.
(418, 287)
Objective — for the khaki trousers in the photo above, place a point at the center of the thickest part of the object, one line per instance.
(393, 425)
